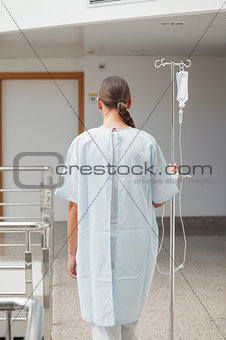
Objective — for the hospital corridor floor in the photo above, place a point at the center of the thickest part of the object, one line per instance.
(200, 299)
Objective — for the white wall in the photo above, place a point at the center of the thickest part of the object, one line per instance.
(39, 13)
(204, 136)
(36, 118)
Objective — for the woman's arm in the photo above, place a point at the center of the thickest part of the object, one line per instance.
(171, 169)
(72, 227)
(157, 205)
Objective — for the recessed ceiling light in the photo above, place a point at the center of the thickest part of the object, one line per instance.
(90, 50)
(179, 23)
(173, 23)
(143, 50)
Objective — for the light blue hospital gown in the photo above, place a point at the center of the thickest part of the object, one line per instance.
(117, 246)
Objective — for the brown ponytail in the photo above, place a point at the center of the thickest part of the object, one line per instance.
(114, 92)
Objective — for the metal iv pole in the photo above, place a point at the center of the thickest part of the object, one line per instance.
(181, 64)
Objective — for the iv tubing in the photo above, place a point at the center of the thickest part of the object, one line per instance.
(181, 219)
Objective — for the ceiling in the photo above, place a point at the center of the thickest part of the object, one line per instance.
(133, 37)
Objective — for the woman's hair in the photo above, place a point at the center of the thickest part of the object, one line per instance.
(114, 92)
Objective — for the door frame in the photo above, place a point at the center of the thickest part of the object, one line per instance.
(42, 75)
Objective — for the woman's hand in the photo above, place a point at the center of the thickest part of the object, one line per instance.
(72, 266)
(173, 168)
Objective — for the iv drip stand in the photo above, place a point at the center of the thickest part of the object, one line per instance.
(181, 64)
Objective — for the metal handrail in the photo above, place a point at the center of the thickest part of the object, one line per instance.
(19, 218)
(19, 244)
(19, 190)
(26, 204)
(25, 168)
(35, 318)
(42, 224)
(23, 226)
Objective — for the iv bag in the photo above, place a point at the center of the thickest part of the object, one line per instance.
(182, 87)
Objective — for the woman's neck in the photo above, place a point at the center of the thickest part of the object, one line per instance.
(114, 123)
(112, 120)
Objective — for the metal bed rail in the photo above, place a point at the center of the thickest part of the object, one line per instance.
(26, 225)
(35, 316)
